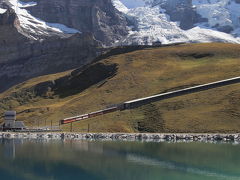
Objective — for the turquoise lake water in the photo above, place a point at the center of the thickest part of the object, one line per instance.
(106, 160)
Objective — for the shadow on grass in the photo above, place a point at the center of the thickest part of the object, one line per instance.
(82, 79)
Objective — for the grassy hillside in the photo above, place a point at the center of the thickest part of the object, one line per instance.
(133, 75)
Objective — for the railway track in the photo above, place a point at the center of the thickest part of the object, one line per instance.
(150, 99)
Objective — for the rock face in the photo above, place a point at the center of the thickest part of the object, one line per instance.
(183, 12)
(32, 45)
(22, 58)
(96, 16)
(49, 56)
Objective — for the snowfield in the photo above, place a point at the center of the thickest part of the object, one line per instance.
(153, 24)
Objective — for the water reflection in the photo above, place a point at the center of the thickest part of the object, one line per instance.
(8, 148)
(90, 160)
(178, 167)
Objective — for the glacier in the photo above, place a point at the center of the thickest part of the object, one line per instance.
(224, 13)
(153, 24)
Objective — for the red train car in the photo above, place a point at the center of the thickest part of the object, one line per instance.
(90, 115)
(74, 119)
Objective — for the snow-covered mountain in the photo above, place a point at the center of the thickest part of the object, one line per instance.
(172, 21)
(39, 37)
(43, 19)
(140, 21)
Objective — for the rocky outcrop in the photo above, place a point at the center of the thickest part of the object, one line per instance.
(96, 16)
(186, 13)
(183, 12)
(48, 56)
(22, 58)
(28, 50)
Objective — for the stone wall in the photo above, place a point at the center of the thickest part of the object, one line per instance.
(149, 137)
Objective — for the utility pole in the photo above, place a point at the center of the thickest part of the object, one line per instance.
(71, 127)
(59, 125)
(88, 127)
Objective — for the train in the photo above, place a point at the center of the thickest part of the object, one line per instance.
(90, 115)
(118, 107)
(151, 99)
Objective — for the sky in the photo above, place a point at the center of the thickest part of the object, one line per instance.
(133, 3)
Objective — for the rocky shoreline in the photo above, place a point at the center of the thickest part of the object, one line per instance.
(151, 137)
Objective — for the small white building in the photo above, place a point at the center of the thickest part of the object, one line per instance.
(10, 122)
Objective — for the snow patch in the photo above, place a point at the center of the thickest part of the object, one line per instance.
(2, 11)
(26, 4)
(62, 28)
(35, 27)
(120, 6)
(198, 34)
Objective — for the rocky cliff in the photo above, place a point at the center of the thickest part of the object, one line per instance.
(182, 12)
(43, 37)
(22, 58)
(96, 16)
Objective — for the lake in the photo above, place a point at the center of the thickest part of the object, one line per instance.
(26, 159)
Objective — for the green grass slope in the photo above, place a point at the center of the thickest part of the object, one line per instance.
(145, 72)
